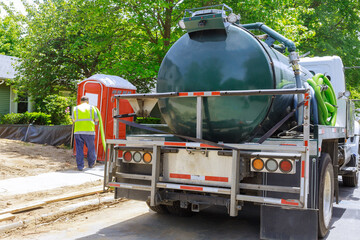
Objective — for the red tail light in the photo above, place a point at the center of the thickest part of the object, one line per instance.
(127, 156)
(285, 166)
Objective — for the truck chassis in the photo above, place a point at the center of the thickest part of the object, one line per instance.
(306, 192)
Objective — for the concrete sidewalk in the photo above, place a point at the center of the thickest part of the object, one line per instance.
(52, 180)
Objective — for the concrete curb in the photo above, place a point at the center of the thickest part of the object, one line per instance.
(62, 211)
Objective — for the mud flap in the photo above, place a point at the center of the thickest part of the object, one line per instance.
(278, 223)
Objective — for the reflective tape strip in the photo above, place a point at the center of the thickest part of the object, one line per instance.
(333, 130)
(181, 176)
(120, 185)
(85, 132)
(190, 188)
(189, 94)
(216, 179)
(290, 202)
(302, 184)
(172, 186)
(207, 146)
(306, 143)
(198, 177)
(287, 144)
(210, 189)
(302, 169)
(272, 200)
(82, 120)
(178, 144)
(306, 96)
(190, 144)
(276, 201)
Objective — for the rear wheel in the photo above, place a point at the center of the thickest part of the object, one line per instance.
(326, 194)
(161, 209)
(351, 179)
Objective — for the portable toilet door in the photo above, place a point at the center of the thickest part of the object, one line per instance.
(100, 90)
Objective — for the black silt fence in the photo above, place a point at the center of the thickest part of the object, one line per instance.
(51, 135)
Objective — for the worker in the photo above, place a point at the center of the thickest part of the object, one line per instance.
(85, 117)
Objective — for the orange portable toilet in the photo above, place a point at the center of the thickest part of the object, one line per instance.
(100, 90)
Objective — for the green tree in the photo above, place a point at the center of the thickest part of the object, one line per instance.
(67, 41)
(10, 36)
(337, 25)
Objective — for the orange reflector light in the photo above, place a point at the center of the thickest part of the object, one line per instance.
(258, 164)
(285, 166)
(147, 157)
(127, 156)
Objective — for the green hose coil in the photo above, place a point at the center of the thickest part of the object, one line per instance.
(326, 99)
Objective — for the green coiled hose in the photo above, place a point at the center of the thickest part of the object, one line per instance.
(326, 99)
(101, 128)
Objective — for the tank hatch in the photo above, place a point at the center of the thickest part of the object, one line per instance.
(207, 18)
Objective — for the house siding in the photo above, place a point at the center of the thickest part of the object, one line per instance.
(4, 99)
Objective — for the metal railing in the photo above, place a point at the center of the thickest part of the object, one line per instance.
(301, 152)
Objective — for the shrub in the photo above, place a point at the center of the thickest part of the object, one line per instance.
(36, 118)
(58, 108)
(148, 120)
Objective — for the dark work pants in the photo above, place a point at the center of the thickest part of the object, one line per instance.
(89, 140)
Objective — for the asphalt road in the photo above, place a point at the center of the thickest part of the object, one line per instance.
(132, 220)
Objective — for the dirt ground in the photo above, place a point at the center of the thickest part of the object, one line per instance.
(61, 223)
(21, 159)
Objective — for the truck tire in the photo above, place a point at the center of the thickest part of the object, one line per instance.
(161, 209)
(326, 194)
(351, 180)
(177, 210)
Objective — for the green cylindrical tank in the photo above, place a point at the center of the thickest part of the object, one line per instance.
(224, 59)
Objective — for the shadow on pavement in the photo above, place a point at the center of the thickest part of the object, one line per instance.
(212, 223)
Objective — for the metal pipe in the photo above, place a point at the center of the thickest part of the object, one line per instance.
(277, 36)
(214, 94)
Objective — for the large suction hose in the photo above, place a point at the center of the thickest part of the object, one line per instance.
(101, 128)
(326, 99)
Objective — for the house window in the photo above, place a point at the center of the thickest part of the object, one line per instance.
(22, 103)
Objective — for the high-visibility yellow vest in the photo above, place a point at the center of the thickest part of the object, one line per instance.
(84, 116)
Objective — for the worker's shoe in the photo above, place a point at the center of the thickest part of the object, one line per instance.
(92, 166)
(80, 169)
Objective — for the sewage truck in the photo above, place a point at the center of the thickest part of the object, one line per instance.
(248, 125)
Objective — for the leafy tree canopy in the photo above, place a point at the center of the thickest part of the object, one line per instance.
(65, 42)
(69, 40)
(10, 35)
